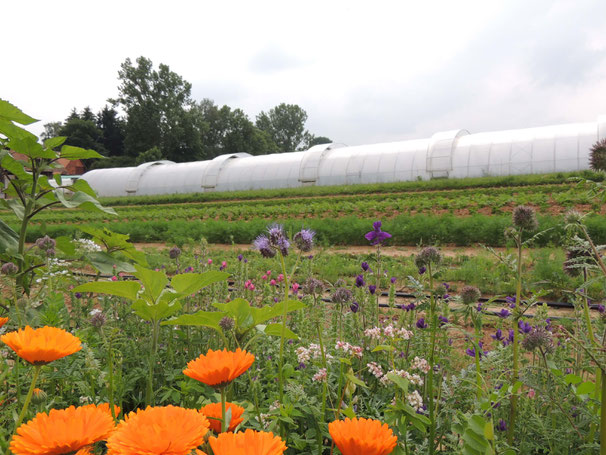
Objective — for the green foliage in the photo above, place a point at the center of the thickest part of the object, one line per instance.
(285, 125)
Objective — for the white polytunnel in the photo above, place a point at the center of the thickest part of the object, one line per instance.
(449, 154)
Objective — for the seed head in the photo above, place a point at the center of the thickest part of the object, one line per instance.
(525, 217)
(98, 318)
(227, 323)
(428, 255)
(470, 294)
(313, 286)
(539, 338)
(573, 217)
(577, 258)
(45, 243)
(9, 268)
(342, 295)
(174, 252)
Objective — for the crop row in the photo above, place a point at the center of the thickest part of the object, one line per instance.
(397, 187)
(406, 230)
(546, 199)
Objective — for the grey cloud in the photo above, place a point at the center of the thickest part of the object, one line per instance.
(273, 59)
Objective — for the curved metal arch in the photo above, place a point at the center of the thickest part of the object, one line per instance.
(132, 184)
(212, 171)
(311, 161)
(439, 152)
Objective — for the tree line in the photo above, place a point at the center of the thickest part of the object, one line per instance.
(161, 121)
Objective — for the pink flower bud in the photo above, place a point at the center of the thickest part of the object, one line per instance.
(224, 264)
(281, 277)
(210, 261)
(114, 278)
(264, 277)
(272, 282)
(531, 393)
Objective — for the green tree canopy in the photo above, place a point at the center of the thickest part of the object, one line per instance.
(285, 125)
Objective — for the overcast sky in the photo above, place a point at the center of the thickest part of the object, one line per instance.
(364, 71)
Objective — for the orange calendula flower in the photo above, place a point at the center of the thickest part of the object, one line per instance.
(214, 410)
(62, 431)
(247, 443)
(3, 321)
(42, 346)
(362, 437)
(168, 430)
(219, 368)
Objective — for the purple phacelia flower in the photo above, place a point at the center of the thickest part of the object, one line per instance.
(262, 244)
(304, 239)
(377, 236)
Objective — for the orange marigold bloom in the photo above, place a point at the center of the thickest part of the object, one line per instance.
(62, 431)
(248, 443)
(168, 430)
(362, 437)
(3, 321)
(219, 368)
(214, 410)
(42, 346)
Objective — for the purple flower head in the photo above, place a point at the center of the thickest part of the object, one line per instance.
(393, 279)
(262, 244)
(502, 425)
(471, 352)
(422, 270)
(245, 260)
(9, 268)
(275, 233)
(524, 326)
(240, 257)
(421, 324)
(504, 313)
(443, 320)
(511, 300)
(377, 236)
(174, 252)
(372, 288)
(498, 336)
(283, 244)
(479, 308)
(365, 266)
(354, 307)
(45, 243)
(601, 308)
(78, 295)
(360, 281)
(446, 297)
(304, 239)
(301, 366)
(446, 285)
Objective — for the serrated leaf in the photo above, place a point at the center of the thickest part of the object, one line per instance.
(82, 185)
(53, 142)
(105, 262)
(383, 347)
(12, 113)
(70, 152)
(190, 283)
(82, 200)
(261, 315)
(153, 282)
(240, 311)
(276, 330)
(156, 311)
(350, 377)
(201, 318)
(125, 289)
(66, 245)
(15, 167)
(29, 147)
(12, 131)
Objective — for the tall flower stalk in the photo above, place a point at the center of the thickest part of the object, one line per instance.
(377, 237)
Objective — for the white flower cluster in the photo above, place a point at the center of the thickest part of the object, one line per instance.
(320, 375)
(420, 364)
(414, 379)
(56, 268)
(87, 246)
(95, 311)
(415, 400)
(375, 369)
(312, 352)
(349, 349)
(389, 331)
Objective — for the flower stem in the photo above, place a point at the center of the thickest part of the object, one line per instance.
(149, 395)
(28, 399)
(223, 419)
(516, 347)
(432, 319)
(110, 367)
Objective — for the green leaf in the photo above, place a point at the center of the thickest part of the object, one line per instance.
(261, 315)
(348, 412)
(105, 262)
(116, 242)
(9, 239)
(77, 153)
(352, 378)
(398, 380)
(54, 142)
(585, 388)
(190, 283)
(12, 131)
(572, 379)
(154, 282)
(82, 185)
(276, 330)
(155, 312)
(383, 347)
(66, 245)
(82, 200)
(201, 318)
(125, 289)
(14, 114)
(29, 146)
(240, 311)
(15, 167)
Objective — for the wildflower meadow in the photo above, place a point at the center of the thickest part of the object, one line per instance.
(283, 348)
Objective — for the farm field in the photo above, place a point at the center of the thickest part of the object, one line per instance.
(312, 321)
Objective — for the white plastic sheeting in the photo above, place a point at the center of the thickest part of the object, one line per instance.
(454, 154)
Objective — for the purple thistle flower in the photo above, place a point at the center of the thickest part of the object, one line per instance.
(365, 266)
(360, 281)
(377, 236)
(372, 288)
(504, 313)
(421, 324)
(524, 326)
(262, 244)
(304, 239)
(502, 425)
